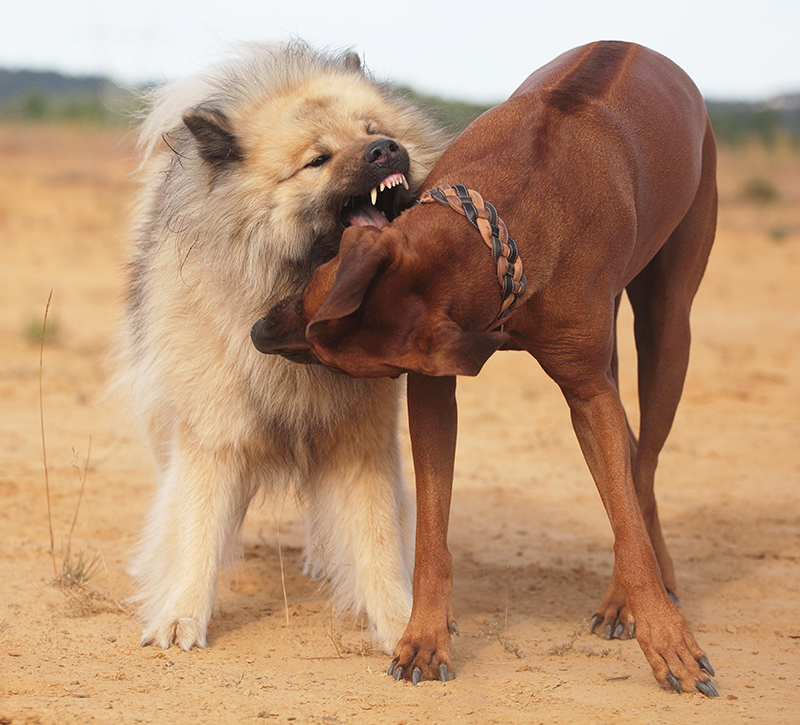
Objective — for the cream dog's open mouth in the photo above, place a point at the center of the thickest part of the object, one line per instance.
(379, 206)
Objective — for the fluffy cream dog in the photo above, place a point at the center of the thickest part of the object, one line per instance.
(251, 172)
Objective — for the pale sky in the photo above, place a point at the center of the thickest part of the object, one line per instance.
(461, 49)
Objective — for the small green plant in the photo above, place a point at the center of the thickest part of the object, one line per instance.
(78, 570)
(35, 333)
(759, 190)
(779, 234)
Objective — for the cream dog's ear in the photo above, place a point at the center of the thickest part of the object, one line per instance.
(213, 132)
(352, 62)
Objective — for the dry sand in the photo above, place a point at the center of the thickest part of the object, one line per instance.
(530, 541)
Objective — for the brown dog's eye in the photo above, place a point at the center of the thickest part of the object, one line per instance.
(319, 161)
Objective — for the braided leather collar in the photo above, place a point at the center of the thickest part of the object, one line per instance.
(483, 216)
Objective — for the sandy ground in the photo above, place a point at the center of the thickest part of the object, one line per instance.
(530, 541)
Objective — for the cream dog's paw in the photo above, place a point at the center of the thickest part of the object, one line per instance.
(185, 632)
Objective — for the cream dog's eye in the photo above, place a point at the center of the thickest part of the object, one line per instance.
(319, 161)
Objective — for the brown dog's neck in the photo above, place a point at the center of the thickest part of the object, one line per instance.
(482, 215)
(466, 279)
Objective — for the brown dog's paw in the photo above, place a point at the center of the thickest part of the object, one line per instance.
(613, 619)
(704, 687)
(673, 653)
(396, 671)
(423, 654)
(613, 623)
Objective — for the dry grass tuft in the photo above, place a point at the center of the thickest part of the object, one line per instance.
(83, 599)
(76, 570)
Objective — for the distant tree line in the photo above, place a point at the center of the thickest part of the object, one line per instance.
(767, 122)
(32, 96)
(28, 96)
(454, 115)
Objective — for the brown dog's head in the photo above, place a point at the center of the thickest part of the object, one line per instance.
(386, 305)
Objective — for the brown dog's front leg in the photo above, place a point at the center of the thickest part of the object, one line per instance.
(423, 652)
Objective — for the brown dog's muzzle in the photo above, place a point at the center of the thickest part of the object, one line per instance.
(282, 332)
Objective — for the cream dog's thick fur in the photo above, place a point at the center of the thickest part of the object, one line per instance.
(251, 171)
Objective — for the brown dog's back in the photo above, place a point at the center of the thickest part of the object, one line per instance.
(624, 116)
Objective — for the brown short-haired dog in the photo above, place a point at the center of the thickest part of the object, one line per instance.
(602, 166)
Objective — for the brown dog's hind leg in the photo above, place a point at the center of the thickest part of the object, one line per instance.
(661, 631)
(662, 342)
(613, 619)
(661, 297)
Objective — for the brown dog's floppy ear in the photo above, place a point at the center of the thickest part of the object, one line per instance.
(214, 135)
(452, 351)
(361, 260)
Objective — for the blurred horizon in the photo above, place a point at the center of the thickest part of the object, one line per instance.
(478, 53)
(49, 96)
(97, 79)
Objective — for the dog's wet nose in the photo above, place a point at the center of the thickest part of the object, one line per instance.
(382, 152)
(261, 337)
(282, 331)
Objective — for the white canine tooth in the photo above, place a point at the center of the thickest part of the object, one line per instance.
(374, 195)
(404, 181)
